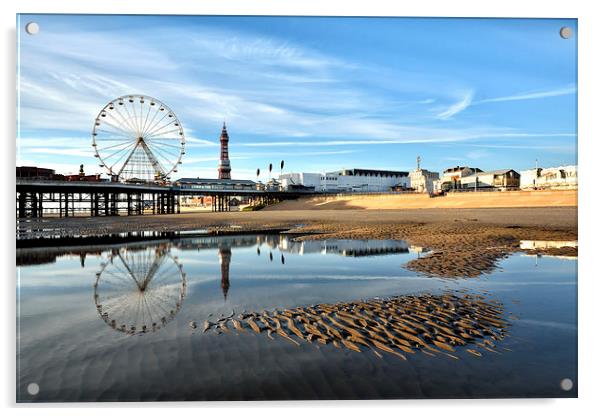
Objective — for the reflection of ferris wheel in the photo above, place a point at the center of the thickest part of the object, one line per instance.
(138, 138)
(138, 291)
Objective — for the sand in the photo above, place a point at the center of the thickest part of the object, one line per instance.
(508, 199)
(463, 242)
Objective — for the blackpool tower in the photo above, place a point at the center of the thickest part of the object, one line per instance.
(223, 170)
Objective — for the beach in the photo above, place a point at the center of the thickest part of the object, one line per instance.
(461, 242)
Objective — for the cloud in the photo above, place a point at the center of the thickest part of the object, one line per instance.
(61, 151)
(531, 95)
(457, 107)
(435, 137)
(273, 93)
(195, 142)
(477, 154)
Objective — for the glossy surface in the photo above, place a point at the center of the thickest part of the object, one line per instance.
(115, 323)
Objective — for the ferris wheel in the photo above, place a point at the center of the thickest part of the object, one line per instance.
(139, 290)
(138, 138)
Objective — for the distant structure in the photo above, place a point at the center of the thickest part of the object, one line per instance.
(561, 177)
(501, 179)
(452, 177)
(44, 174)
(34, 172)
(223, 170)
(347, 180)
(422, 180)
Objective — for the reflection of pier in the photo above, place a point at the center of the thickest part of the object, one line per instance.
(145, 253)
(347, 248)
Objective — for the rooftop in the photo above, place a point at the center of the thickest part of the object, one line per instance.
(215, 181)
(460, 168)
(369, 172)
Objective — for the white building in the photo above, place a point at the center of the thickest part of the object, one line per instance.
(347, 180)
(422, 180)
(562, 177)
(503, 179)
(452, 177)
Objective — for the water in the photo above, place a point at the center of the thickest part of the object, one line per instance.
(73, 302)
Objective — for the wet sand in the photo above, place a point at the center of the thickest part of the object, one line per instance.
(463, 242)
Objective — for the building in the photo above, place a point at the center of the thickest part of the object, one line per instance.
(84, 178)
(347, 180)
(421, 180)
(562, 177)
(34, 172)
(215, 184)
(223, 169)
(452, 177)
(501, 179)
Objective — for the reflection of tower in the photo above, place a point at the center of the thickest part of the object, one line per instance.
(224, 260)
(223, 169)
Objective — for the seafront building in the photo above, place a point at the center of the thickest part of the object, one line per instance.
(422, 180)
(347, 180)
(561, 177)
(500, 179)
(452, 177)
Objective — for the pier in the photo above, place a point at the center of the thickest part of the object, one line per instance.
(36, 198)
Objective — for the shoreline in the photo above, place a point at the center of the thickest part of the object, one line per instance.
(462, 242)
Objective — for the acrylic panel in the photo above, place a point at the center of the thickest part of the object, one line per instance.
(295, 208)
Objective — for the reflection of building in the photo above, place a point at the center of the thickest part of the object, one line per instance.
(348, 248)
(504, 178)
(545, 244)
(225, 254)
(562, 177)
(223, 169)
(347, 180)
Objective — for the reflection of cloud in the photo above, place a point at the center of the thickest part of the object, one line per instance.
(548, 324)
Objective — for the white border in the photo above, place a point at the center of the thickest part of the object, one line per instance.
(590, 94)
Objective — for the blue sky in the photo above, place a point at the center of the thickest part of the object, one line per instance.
(320, 93)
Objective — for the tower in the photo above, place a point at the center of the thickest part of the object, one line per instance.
(223, 169)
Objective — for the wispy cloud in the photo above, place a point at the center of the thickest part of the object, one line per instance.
(457, 107)
(275, 92)
(533, 95)
(441, 137)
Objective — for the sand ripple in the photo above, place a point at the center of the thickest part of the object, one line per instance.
(400, 326)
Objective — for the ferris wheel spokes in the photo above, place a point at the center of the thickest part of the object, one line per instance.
(142, 137)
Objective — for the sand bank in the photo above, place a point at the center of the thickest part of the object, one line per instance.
(509, 199)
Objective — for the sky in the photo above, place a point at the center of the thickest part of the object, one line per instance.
(320, 93)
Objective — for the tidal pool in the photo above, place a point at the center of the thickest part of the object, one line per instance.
(125, 322)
